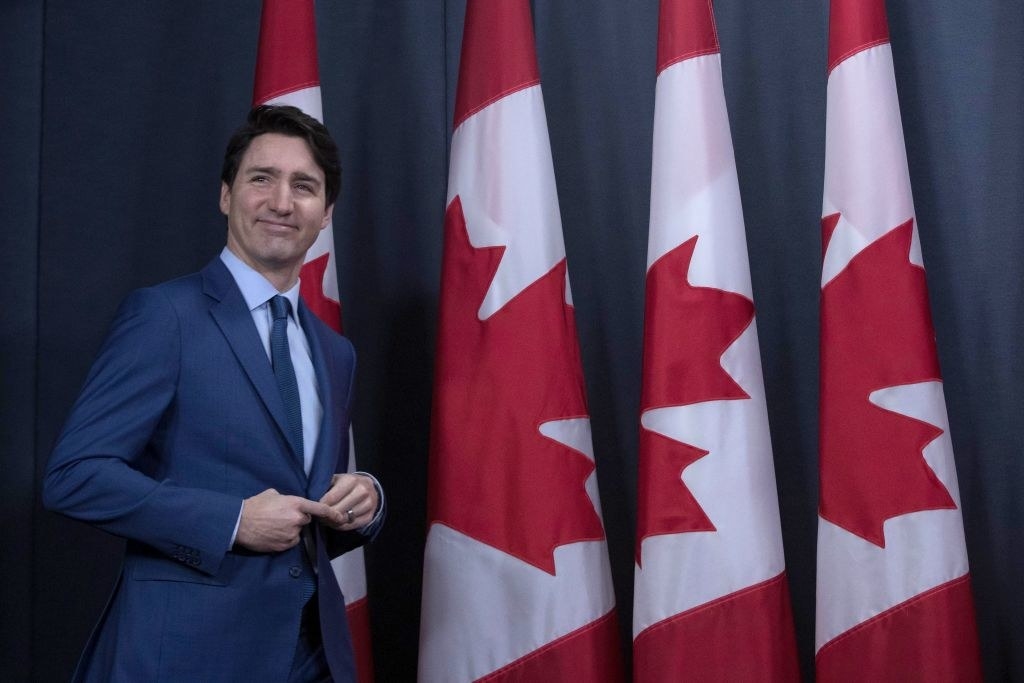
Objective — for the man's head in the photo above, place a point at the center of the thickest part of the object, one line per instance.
(280, 179)
(292, 122)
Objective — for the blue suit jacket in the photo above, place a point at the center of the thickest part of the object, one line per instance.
(180, 419)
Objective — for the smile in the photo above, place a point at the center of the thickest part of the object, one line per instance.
(276, 225)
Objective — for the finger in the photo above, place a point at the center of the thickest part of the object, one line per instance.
(359, 495)
(351, 517)
(360, 516)
(312, 507)
(322, 511)
(341, 487)
(352, 511)
(332, 497)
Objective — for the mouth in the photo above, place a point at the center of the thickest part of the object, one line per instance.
(276, 225)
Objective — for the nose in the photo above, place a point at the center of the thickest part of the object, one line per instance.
(280, 200)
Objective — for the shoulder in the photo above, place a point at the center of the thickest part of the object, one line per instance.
(145, 336)
(161, 300)
(169, 307)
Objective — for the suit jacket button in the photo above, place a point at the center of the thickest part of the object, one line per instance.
(295, 572)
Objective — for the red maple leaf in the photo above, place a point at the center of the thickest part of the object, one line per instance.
(686, 331)
(665, 505)
(876, 332)
(311, 288)
(494, 476)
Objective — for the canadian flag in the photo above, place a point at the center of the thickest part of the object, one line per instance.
(711, 600)
(287, 73)
(893, 591)
(517, 584)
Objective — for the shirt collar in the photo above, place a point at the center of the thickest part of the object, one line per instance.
(256, 289)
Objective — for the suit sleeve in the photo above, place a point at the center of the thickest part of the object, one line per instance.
(104, 469)
(340, 542)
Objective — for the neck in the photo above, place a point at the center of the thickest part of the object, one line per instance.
(282, 281)
(283, 277)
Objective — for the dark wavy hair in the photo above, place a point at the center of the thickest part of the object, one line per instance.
(286, 120)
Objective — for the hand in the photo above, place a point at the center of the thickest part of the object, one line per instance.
(353, 497)
(272, 522)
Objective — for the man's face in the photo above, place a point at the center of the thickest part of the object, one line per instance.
(276, 206)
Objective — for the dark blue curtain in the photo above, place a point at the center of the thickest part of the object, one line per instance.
(114, 119)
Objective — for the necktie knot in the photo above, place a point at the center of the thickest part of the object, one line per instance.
(280, 307)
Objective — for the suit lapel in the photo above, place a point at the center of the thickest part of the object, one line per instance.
(235, 321)
(327, 442)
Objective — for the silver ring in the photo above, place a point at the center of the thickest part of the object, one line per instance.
(350, 516)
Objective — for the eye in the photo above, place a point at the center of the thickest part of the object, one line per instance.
(303, 187)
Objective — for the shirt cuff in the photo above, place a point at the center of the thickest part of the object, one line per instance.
(238, 521)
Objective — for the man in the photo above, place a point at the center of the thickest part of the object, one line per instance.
(212, 434)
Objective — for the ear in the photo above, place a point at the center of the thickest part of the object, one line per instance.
(328, 212)
(225, 198)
